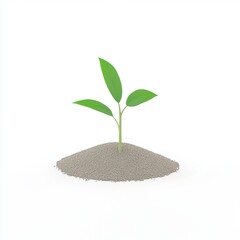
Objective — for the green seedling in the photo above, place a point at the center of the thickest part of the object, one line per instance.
(114, 85)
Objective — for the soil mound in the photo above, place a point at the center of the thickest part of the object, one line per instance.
(103, 162)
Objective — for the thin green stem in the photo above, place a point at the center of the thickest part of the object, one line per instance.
(115, 120)
(119, 130)
(124, 109)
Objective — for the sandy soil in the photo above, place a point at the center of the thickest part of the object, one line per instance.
(103, 162)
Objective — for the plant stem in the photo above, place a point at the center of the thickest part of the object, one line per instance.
(120, 130)
(115, 120)
(124, 109)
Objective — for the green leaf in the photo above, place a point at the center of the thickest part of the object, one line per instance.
(112, 79)
(96, 105)
(139, 96)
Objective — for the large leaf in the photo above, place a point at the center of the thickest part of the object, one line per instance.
(112, 79)
(96, 105)
(139, 96)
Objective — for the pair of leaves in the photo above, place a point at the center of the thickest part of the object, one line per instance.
(114, 85)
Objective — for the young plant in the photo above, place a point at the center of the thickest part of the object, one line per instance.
(114, 85)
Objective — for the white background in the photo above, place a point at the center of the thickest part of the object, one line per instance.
(186, 52)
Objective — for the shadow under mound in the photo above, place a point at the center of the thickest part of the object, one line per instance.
(103, 162)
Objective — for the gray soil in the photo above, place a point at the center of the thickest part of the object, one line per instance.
(103, 162)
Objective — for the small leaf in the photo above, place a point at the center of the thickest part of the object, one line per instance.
(96, 105)
(139, 96)
(112, 79)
